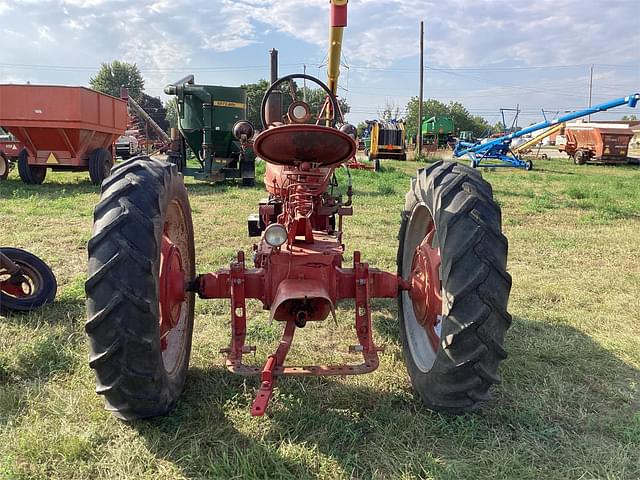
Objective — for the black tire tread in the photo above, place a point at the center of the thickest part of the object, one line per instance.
(122, 321)
(30, 174)
(97, 160)
(475, 282)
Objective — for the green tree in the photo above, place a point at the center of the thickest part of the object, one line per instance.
(315, 97)
(629, 118)
(171, 106)
(499, 127)
(430, 108)
(361, 127)
(116, 74)
(255, 92)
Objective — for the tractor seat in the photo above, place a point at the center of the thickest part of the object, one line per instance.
(295, 143)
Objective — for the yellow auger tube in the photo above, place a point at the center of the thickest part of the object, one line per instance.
(336, 29)
(338, 11)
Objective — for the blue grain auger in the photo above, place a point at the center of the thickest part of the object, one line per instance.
(498, 153)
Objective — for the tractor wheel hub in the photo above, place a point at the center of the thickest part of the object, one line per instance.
(425, 291)
(172, 287)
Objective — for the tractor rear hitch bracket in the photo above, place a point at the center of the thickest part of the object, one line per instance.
(238, 283)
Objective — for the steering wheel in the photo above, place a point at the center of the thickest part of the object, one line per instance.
(280, 81)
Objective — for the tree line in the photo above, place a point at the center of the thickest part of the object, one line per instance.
(112, 76)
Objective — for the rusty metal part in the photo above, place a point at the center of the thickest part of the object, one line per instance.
(15, 284)
(238, 283)
(425, 286)
(172, 287)
(296, 144)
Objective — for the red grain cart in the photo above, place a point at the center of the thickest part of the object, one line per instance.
(606, 144)
(62, 128)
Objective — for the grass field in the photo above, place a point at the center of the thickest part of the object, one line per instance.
(568, 406)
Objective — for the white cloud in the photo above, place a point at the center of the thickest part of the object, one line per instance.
(163, 36)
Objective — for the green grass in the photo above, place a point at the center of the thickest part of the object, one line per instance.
(568, 406)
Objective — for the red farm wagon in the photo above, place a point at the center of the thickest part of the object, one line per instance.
(62, 128)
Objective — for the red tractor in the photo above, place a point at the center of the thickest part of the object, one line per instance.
(451, 284)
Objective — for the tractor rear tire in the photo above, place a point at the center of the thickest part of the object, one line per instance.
(142, 201)
(37, 282)
(4, 167)
(100, 163)
(30, 174)
(456, 375)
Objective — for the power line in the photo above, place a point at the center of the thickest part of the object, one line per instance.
(482, 68)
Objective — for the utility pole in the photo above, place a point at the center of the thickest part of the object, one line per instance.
(304, 85)
(419, 139)
(590, 87)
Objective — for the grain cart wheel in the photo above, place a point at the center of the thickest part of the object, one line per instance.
(580, 157)
(140, 319)
(4, 167)
(30, 174)
(31, 287)
(454, 316)
(100, 163)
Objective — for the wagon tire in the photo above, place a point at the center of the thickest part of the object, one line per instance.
(36, 282)
(580, 157)
(30, 174)
(143, 208)
(454, 361)
(100, 163)
(4, 167)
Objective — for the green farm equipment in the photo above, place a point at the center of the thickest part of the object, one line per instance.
(438, 131)
(212, 124)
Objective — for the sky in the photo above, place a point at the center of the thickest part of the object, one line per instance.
(486, 54)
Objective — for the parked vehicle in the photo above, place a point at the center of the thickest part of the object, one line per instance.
(595, 142)
(62, 128)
